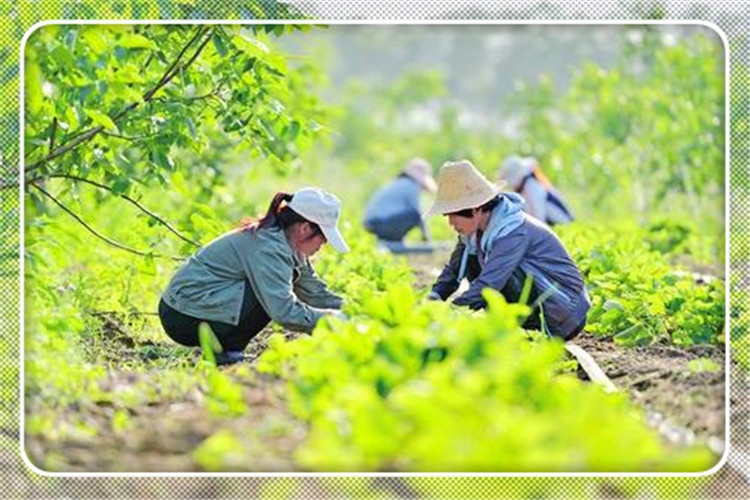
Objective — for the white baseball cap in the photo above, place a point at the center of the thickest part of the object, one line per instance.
(323, 209)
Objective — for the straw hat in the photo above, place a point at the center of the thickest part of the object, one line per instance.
(461, 186)
(421, 171)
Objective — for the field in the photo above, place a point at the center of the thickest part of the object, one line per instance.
(683, 403)
(404, 384)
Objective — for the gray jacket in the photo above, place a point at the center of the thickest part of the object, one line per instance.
(211, 284)
(532, 250)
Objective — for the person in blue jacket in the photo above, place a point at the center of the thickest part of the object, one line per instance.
(257, 273)
(500, 246)
(394, 209)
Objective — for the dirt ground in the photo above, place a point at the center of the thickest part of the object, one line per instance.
(685, 405)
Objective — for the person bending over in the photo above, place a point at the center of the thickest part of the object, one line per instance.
(257, 273)
(394, 209)
(500, 246)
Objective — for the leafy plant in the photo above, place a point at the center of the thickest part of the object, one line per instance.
(637, 298)
(411, 385)
(109, 104)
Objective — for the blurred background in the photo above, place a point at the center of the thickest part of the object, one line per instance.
(628, 121)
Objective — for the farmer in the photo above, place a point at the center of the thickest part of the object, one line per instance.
(543, 200)
(256, 273)
(394, 209)
(501, 247)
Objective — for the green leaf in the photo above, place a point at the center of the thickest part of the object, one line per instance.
(635, 335)
(292, 131)
(148, 266)
(101, 119)
(246, 43)
(219, 44)
(136, 41)
(613, 304)
(209, 343)
(121, 185)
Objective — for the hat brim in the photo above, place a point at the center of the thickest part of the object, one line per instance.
(441, 207)
(334, 238)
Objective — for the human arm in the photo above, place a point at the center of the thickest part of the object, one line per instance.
(503, 258)
(425, 230)
(270, 274)
(313, 291)
(447, 282)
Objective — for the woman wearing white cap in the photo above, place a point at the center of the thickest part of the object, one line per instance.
(259, 272)
(543, 200)
(501, 247)
(394, 209)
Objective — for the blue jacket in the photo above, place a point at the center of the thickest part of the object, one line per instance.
(516, 246)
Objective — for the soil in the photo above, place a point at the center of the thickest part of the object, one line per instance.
(685, 405)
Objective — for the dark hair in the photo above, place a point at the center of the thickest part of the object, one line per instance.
(466, 212)
(279, 215)
(469, 212)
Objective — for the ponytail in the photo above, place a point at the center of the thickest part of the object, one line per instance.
(270, 219)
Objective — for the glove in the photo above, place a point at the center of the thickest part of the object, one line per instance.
(433, 296)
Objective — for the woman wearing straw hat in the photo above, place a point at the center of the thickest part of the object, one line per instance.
(394, 209)
(256, 273)
(543, 200)
(501, 247)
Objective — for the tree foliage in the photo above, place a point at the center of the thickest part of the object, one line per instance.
(653, 125)
(118, 105)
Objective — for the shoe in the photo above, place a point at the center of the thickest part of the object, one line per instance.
(229, 357)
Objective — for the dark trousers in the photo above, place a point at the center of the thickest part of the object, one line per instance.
(183, 329)
(512, 292)
(395, 227)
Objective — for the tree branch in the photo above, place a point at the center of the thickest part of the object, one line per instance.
(99, 235)
(131, 200)
(128, 138)
(148, 61)
(166, 78)
(52, 135)
(84, 137)
(213, 93)
(174, 68)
